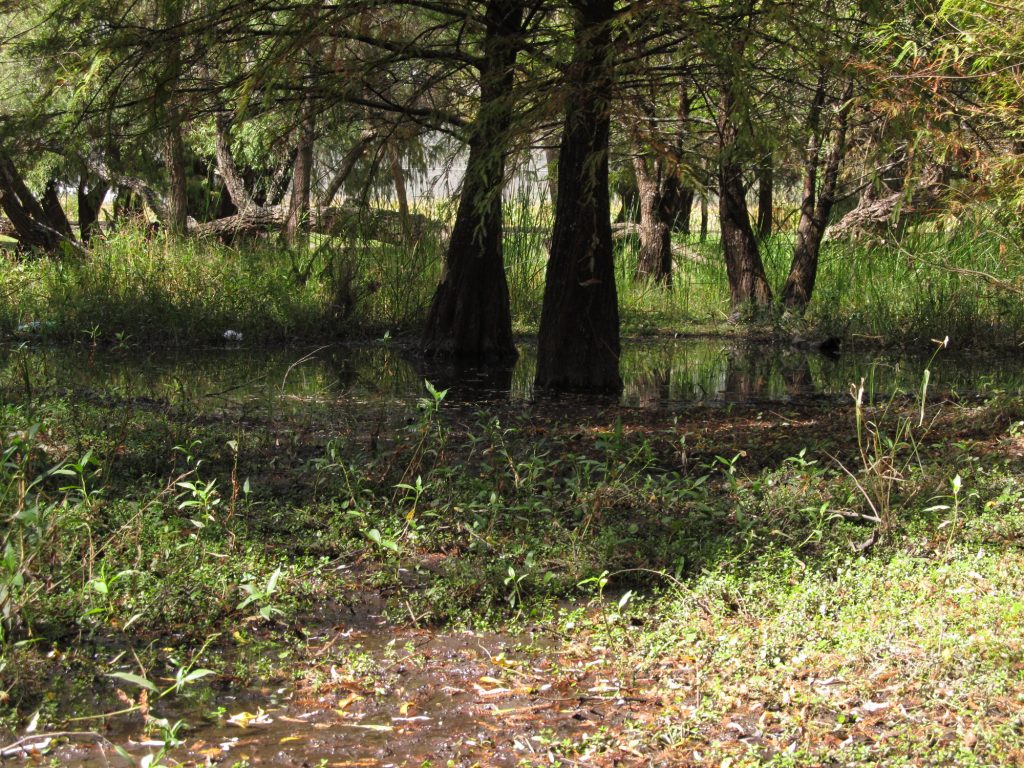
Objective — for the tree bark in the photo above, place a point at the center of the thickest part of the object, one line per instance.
(470, 316)
(659, 198)
(748, 286)
(765, 190)
(30, 218)
(816, 205)
(177, 199)
(90, 204)
(296, 227)
(578, 345)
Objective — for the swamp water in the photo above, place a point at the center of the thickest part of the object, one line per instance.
(659, 375)
(457, 698)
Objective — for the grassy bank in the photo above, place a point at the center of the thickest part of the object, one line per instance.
(962, 283)
(794, 587)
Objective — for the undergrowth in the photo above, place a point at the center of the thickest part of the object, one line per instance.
(903, 290)
(169, 527)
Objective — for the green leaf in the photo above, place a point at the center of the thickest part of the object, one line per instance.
(134, 679)
(195, 674)
(272, 582)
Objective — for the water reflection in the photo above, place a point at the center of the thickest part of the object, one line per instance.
(657, 375)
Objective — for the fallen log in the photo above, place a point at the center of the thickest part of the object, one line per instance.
(346, 221)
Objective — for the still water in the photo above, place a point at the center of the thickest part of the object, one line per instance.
(658, 375)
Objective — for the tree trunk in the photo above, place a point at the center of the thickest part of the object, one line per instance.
(27, 215)
(703, 216)
(748, 286)
(551, 162)
(90, 204)
(348, 164)
(296, 227)
(470, 316)
(684, 194)
(765, 188)
(177, 199)
(398, 176)
(578, 344)
(233, 181)
(682, 220)
(56, 218)
(658, 203)
(346, 221)
(816, 206)
(127, 205)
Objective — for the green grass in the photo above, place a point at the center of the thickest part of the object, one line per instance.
(962, 282)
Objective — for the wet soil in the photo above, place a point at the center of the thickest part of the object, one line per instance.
(406, 696)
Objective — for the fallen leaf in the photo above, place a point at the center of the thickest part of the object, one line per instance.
(873, 706)
(246, 719)
(481, 691)
(352, 698)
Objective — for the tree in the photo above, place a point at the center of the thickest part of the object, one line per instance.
(748, 285)
(470, 314)
(816, 204)
(578, 341)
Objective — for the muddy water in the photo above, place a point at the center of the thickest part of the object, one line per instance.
(657, 375)
(406, 698)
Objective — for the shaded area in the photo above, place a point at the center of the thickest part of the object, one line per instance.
(661, 374)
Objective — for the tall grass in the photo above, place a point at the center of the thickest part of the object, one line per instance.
(156, 290)
(188, 291)
(963, 283)
(527, 228)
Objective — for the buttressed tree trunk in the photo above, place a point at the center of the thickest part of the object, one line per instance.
(659, 199)
(470, 316)
(578, 344)
(816, 206)
(748, 286)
